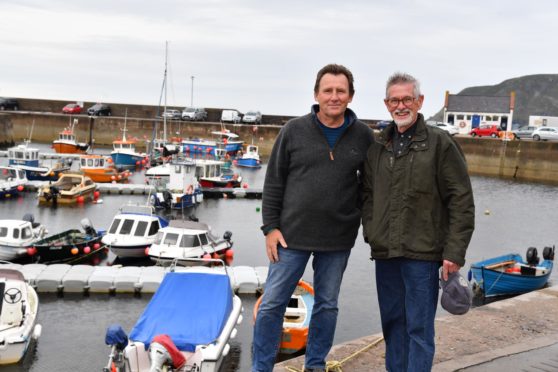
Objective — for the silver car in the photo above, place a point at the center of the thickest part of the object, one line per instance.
(451, 129)
(545, 133)
(524, 132)
(253, 117)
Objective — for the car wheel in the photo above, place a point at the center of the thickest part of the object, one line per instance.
(2, 108)
(536, 137)
(109, 113)
(16, 108)
(493, 135)
(473, 134)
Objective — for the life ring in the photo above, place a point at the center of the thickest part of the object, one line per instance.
(462, 124)
(190, 190)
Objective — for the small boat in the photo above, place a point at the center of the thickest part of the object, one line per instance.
(66, 142)
(69, 188)
(187, 326)
(124, 154)
(100, 169)
(17, 235)
(250, 158)
(70, 246)
(18, 316)
(296, 319)
(180, 189)
(26, 158)
(133, 230)
(225, 139)
(183, 240)
(510, 275)
(12, 181)
(211, 174)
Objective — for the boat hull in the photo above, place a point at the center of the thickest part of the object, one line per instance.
(68, 148)
(70, 246)
(106, 175)
(124, 160)
(248, 163)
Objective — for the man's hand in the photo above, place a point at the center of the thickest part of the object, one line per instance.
(449, 267)
(273, 238)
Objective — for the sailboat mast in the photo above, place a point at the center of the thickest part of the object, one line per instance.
(165, 86)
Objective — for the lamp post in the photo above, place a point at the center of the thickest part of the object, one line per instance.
(192, 93)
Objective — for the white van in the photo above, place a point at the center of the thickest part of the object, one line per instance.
(231, 116)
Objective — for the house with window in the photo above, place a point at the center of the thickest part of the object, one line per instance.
(468, 112)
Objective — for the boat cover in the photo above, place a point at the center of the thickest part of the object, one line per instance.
(192, 308)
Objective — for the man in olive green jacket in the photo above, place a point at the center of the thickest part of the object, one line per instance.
(418, 215)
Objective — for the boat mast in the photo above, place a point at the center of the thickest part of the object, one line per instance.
(165, 86)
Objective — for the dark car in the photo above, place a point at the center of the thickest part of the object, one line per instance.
(8, 103)
(99, 109)
(72, 108)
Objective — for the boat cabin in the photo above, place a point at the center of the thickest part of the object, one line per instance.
(124, 146)
(136, 221)
(23, 155)
(15, 232)
(92, 161)
(185, 234)
(208, 168)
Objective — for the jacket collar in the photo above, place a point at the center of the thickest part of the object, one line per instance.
(349, 114)
(386, 135)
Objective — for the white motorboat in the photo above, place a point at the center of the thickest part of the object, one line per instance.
(186, 326)
(12, 181)
(17, 235)
(180, 189)
(182, 240)
(133, 230)
(18, 316)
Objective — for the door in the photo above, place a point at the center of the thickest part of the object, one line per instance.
(476, 121)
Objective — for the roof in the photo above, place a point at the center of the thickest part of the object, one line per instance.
(192, 225)
(488, 104)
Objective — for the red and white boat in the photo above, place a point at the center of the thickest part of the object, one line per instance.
(67, 143)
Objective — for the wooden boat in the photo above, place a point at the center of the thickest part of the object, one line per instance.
(509, 274)
(187, 326)
(66, 142)
(12, 181)
(18, 316)
(296, 319)
(68, 189)
(71, 246)
(182, 240)
(100, 169)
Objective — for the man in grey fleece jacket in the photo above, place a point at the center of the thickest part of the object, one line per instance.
(311, 206)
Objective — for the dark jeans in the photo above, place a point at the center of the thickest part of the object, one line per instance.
(408, 298)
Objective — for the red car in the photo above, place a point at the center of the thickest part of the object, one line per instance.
(486, 130)
(72, 108)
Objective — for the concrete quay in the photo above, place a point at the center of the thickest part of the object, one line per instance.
(515, 334)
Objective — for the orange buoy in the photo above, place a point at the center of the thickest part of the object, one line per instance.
(74, 250)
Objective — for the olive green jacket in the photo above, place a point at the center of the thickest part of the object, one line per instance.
(418, 205)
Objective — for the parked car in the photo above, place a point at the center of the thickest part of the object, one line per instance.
(172, 114)
(72, 108)
(524, 132)
(99, 109)
(486, 130)
(8, 103)
(231, 116)
(252, 117)
(382, 124)
(545, 133)
(451, 129)
(194, 113)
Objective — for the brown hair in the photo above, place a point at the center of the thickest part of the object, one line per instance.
(335, 70)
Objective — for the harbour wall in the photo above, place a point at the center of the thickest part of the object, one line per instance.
(523, 160)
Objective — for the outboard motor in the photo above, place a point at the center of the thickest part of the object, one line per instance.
(532, 256)
(163, 351)
(88, 227)
(227, 236)
(118, 340)
(30, 218)
(167, 199)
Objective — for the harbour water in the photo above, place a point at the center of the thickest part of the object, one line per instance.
(510, 217)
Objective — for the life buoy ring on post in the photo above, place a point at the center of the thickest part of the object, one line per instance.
(462, 124)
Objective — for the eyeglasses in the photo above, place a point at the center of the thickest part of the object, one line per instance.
(394, 102)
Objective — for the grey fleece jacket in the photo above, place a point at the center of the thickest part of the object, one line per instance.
(311, 192)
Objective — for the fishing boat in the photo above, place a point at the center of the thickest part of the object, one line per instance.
(509, 274)
(250, 158)
(18, 316)
(66, 142)
(17, 235)
(296, 319)
(124, 154)
(187, 326)
(12, 181)
(133, 230)
(180, 189)
(183, 240)
(70, 188)
(26, 158)
(70, 246)
(225, 139)
(210, 174)
(100, 169)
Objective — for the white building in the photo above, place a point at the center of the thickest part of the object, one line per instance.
(468, 112)
(543, 121)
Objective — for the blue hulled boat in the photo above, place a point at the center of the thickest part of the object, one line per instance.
(509, 274)
(26, 158)
(124, 154)
(250, 159)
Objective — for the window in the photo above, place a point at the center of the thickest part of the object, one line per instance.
(189, 241)
(459, 117)
(171, 239)
(26, 233)
(114, 226)
(3, 232)
(468, 117)
(141, 228)
(203, 238)
(153, 228)
(488, 118)
(16, 234)
(126, 227)
(159, 237)
(495, 118)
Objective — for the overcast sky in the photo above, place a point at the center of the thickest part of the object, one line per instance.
(264, 55)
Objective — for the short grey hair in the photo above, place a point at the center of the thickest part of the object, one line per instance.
(403, 78)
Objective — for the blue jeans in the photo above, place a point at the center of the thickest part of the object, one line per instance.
(408, 298)
(282, 279)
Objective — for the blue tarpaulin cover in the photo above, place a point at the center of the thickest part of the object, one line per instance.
(192, 308)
